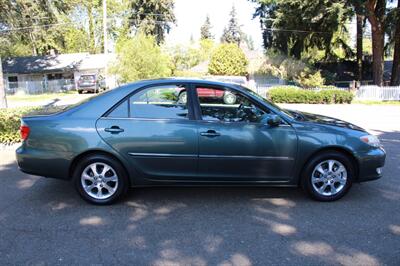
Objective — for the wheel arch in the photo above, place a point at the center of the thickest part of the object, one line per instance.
(345, 151)
(78, 157)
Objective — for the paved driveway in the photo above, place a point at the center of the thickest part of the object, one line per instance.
(43, 221)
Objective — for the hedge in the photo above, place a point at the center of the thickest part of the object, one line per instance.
(292, 94)
(10, 121)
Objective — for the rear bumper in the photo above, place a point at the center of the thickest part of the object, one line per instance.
(88, 88)
(43, 163)
(371, 164)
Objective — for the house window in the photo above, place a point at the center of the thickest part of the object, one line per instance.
(13, 82)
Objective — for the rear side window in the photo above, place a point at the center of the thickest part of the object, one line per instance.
(121, 111)
(160, 102)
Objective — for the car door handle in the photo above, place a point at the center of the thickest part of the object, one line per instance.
(210, 133)
(114, 130)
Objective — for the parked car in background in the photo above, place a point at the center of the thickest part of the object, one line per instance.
(141, 134)
(91, 83)
(212, 94)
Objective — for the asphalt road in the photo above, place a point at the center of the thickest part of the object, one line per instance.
(44, 222)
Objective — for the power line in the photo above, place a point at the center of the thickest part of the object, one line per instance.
(36, 26)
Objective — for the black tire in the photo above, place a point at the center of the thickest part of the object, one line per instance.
(306, 178)
(123, 182)
(80, 91)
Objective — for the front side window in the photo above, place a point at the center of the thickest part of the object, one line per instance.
(225, 105)
(160, 102)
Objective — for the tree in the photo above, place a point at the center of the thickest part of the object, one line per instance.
(375, 12)
(232, 33)
(183, 58)
(153, 17)
(34, 24)
(297, 26)
(395, 77)
(3, 99)
(140, 58)
(359, 38)
(228, 59)
(205, 30)
(76, 41)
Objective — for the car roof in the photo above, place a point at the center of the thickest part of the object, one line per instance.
(204, 81)
(111, 97)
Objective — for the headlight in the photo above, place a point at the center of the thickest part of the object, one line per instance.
(371, 140)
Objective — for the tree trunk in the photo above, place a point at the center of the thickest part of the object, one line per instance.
(360, 19)
(375, 14)
(377, 54)
(395, 78)
(92, 45)
(3, 100)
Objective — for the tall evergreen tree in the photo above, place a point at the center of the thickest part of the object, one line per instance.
(376, 14)
(395, 78)
(153, 17)
(295, 26)
(205, 29)
(232, 33)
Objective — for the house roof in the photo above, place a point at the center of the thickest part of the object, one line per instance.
(53, 63)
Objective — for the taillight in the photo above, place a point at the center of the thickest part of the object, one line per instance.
(24, 130)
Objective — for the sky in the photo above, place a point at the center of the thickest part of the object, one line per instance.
(191, 14)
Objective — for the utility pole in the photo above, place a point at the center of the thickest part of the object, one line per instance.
(3, 99)
(105, 39)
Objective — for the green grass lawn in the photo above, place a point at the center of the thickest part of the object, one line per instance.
(38, 97)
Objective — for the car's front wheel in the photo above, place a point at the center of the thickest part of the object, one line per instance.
(229, 98)
(182, 98)
(328, 176)
(100, 179)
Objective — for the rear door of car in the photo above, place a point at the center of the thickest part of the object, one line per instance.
(155, 132)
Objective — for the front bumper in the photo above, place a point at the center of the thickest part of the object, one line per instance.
(370, 164)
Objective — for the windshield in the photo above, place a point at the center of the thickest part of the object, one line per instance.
(258, 96)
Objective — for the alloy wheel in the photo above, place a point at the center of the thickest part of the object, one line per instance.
(99, 180)
(329, 177)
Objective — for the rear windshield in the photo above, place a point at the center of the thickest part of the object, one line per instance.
(91, 77)
(48, 110)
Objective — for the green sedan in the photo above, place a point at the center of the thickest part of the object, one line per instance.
(144, 134)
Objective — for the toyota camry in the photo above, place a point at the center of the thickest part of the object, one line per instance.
(145, 134)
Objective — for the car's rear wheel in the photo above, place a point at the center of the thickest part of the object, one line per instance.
(328, 176)
(100, 179)
(80, 91)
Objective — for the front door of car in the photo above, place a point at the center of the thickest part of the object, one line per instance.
(236, 143)
(155, 131)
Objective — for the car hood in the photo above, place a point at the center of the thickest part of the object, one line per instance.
(326, 120)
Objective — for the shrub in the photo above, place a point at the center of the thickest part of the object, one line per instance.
(291, 69)
(293, 94)
(228, 59)
(307, 79)
(10, 121)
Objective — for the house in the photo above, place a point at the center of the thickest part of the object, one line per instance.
(50, 73)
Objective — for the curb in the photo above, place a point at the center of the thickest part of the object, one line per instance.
(9, 147)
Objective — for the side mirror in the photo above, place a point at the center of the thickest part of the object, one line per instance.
(271, 120)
